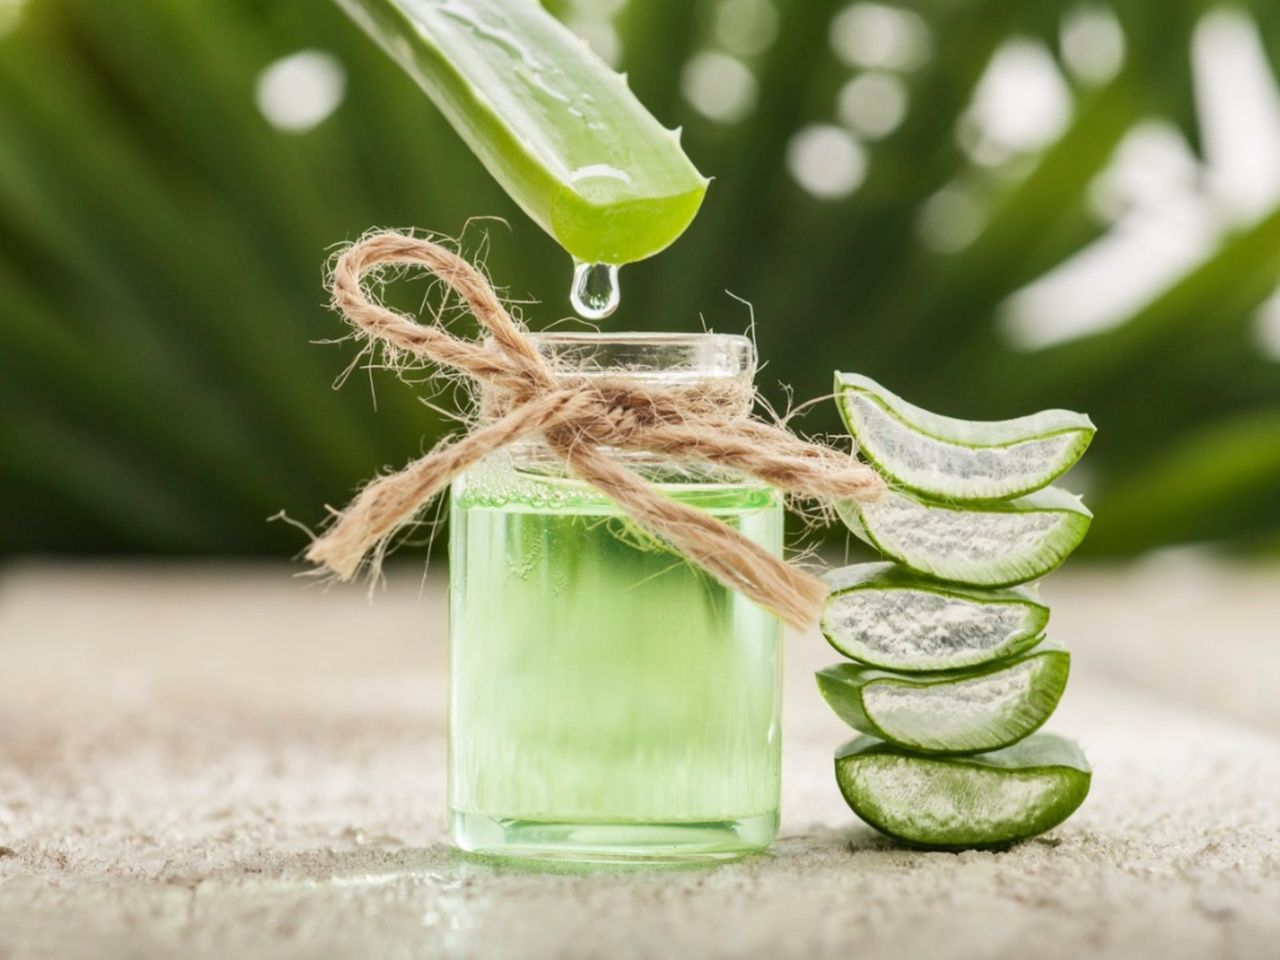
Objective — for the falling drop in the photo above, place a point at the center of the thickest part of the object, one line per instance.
(595, 292)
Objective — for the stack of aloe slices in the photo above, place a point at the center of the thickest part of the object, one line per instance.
(952, 675)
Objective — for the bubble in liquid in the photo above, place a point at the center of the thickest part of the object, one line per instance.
(595, 292)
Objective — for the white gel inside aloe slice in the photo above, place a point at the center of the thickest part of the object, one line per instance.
(978, 714)
(962, 711)
(880, 614)
(997, 545)
(955, 459)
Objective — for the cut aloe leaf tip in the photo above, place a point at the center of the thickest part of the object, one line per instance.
(995, 545)
(884, 615)
(985, 800)
(558, 129)
(951, 459)
(961, 711)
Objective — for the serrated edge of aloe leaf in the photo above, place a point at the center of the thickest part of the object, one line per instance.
(863, 721)
(1048, 500)
(886, 575)
(1052, 423)
(1075, 766)
(1044, 423)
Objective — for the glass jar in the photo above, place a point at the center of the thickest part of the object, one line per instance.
(609, 700)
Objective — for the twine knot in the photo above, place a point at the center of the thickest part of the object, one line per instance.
(584, 420)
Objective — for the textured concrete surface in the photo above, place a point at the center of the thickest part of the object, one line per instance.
(225, 763)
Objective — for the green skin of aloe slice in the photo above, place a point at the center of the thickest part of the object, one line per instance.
(559, 130)
(959, 460)
(992, 545)
(987, 800)
(956, 712)
(886, 616)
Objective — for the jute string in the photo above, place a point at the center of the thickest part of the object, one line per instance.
(583, 419)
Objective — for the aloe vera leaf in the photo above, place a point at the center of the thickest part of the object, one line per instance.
(960, 711)
(886, 616)
(937, 456)
(994, 545)
(985, 800)
(558, 129)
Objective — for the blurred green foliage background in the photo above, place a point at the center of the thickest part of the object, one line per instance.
(990, 206)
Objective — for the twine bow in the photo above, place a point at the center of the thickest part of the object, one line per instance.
(578, 418)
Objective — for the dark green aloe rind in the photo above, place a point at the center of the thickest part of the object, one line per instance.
(992, 545)
(953, 803)
(887, 616)
(956, 712)
(558, 129)
(959, 460)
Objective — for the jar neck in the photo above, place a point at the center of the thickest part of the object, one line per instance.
(690, 355)
(664, 376)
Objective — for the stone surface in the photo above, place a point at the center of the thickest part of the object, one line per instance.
(208, 762)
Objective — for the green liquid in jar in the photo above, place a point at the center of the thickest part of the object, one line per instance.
(608, 700)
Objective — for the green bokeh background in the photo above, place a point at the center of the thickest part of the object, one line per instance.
(162, 246)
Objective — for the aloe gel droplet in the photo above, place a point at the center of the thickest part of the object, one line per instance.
(595, 294)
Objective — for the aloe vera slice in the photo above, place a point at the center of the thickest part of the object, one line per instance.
(994, 545)
(559, 130)
(961, 711)
(986, 800)
(951, 459)
(886, 616)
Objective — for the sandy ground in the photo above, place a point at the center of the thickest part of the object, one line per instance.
(225, 763)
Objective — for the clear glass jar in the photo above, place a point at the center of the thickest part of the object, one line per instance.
(608, 699)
